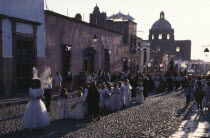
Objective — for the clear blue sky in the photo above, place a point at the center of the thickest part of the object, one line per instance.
(189, 18)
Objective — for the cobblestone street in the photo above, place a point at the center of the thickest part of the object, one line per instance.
(160, 115)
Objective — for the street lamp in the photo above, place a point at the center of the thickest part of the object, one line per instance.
(95, 38)
(68, 47)
(206, 52)
(177, 49)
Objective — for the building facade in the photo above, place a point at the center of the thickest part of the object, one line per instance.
(21, 43)
(123, 24)
(162, 41)
(70, 45)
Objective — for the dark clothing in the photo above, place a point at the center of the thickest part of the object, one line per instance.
(48, 97)
(93, 100)
(188, 98)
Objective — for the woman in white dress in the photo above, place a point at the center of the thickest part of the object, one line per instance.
(139, 94)
(116, 99)
(63, 104)
(127, 93)
(35, 115)
(79, 110)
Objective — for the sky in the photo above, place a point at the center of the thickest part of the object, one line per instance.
(190, 19)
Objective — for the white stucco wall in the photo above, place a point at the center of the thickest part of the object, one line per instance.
(32, 10)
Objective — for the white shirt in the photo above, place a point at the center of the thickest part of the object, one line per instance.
(58, 80)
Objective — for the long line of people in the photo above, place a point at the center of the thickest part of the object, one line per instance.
(102, 93)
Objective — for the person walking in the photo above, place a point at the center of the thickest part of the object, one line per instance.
(199, 95)
(48, 92)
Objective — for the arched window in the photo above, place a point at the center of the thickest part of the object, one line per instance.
(153, 36)
(160, 36)
(168, 36)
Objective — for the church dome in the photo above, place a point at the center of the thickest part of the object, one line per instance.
(162, 23)
(120, 17)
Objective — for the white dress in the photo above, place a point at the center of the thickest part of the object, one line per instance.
(107, 98)
(139, 95)
(64, 108)
(101, 92)
(116, 100)
(122, 94)
(79, 110)
(35, 115)
(127, 94)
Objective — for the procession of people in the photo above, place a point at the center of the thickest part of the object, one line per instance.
(101, 93)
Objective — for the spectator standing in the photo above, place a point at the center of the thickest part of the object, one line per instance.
(57, 82)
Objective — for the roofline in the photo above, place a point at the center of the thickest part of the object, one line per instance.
(78, 21)
(121, 21)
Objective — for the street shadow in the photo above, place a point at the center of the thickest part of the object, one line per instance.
(57, 128)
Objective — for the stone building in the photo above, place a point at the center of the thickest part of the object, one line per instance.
(162, 41)
(70, 45)
(21, 43)
(123, 24)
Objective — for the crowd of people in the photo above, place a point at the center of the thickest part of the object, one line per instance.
(104, 92)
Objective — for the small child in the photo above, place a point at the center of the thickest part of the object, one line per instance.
(188, 93)
(139, 94)
(63, 104)
(79, 108)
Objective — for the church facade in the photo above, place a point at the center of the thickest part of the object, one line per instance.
(162, 41)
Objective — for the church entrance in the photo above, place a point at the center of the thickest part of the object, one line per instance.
(89, 59)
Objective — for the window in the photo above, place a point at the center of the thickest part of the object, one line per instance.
(177, 49)
(153, 37)
(168, 36)
(107, 59)
(160, 36)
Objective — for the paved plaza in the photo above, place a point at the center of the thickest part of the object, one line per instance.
(159, 116)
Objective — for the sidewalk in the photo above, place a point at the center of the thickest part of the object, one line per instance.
(195, 126)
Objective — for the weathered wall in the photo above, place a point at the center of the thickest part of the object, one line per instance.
(32, 10)
(63, 30)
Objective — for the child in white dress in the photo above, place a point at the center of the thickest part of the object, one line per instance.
(35, 115)
(79, 110)
(116, 99)
(122, 94)
(101, 92)
(139, 94)
(127, 93)
(108, 97)
(63, 104)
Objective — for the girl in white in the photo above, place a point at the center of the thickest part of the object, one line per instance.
(116, 100)
(79, 110)
(122, 94)
(35, 115)
(108, 97)
(127, 92)
(139, 94)
(101, 90)
(63, 104)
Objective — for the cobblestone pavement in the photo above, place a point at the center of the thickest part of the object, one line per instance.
(194, 126)
(159, 116)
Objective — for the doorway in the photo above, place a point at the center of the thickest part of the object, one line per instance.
(89, 59)
(24, 62)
